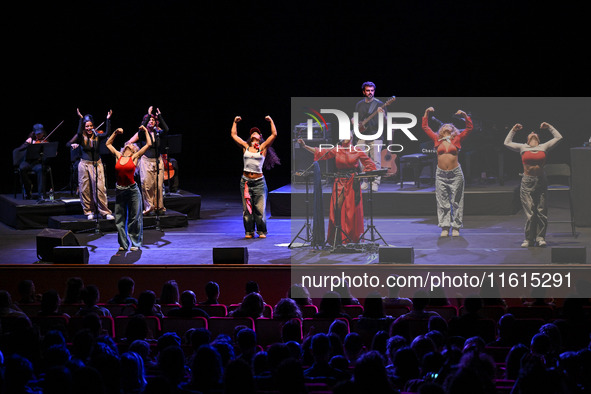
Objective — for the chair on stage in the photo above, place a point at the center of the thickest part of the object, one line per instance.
(180, 325)
(214, 310)
(419, 163)
(559, 179)
(226, 325)
(269, 330)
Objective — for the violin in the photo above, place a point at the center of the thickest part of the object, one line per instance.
(168, 167)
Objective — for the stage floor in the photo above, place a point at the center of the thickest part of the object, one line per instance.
(485, 239)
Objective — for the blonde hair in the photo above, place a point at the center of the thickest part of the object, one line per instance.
(448, 126)
(134, 148)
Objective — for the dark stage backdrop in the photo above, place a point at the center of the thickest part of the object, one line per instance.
(202, 63)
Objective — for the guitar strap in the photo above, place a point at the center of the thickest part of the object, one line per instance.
(372, 107)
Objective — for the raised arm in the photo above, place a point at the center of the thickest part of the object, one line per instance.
(556, 136)
(234, 133)
(140, 152)
(425, 124)
(273, 135)
(110, 140)
(514, 146)
(469, 124)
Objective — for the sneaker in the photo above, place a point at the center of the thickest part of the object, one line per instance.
(444, 232)
(364, 185)
(542, 242)
(110, 217)
(525, 244)
(248, 236)
(90, 217)
(455, 232)
(262, 236)
(122, 249)
(374, 187)
(134, 248)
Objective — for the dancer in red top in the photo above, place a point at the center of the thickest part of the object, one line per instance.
(346, 190)
(449, 179)
(128, 199)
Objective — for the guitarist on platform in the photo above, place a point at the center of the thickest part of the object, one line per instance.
(366, 108)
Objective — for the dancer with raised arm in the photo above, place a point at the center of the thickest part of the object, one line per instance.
(346, 203)
(128, 199)
(533, 183)
(449, 178)
(257, 154)
(91, 173)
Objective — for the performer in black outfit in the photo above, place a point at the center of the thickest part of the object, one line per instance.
(36, 136)
(151, 167)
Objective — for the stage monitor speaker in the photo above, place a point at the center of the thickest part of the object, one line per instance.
(70, 255)
(50, 238)
(569, 255)
(238, 255)
(396, 255)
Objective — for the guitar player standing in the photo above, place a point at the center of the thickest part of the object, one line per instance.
(365, 107)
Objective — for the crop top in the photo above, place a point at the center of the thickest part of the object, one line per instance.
(455, 142)
(533, 155)
(124, 172)
(253, 162)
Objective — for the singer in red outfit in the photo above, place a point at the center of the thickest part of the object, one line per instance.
(346, 190)
(128, 199)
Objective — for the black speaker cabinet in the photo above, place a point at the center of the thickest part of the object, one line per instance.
(238, 255)
(50, 238)
(569, 255)
(70, 255)
(396, 255)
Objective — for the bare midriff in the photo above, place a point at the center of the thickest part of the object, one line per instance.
(533, 170)
(252, 175)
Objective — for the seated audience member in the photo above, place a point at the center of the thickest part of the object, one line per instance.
(299, 294)
(7, 308)
(331, 307)
(90, 297)
(286, 309)
(320, 370)
(169, 294)
(212, 292)
(252, 306)
(246, 345)
(393, 298)
(188, 307)
(27, 293)
(353, 347)
(420, 301)
(345, 294)
(369, 376)
(506, 334)
(74, 288)
(147, 306)
(467, 325)
(125, 288)
(50, 303)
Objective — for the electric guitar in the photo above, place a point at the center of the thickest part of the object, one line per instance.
(370, 117)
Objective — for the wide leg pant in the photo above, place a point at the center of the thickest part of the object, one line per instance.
(128, 216)
(533, 200)
(449, 193)
(90, 187)
(152, 188)
(257, 189)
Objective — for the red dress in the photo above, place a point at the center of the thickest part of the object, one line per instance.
(351, 215)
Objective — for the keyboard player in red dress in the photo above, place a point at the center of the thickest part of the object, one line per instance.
(346, 190)
(128, 199)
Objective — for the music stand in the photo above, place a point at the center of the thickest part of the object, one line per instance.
(308, 239)
(371, 228)
(172, 144)
(42, 151)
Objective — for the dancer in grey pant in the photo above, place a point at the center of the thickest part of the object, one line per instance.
(449, 179)
(533, 184)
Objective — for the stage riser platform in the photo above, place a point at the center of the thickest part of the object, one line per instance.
(402, 203)
(28, 214)
(79, 223)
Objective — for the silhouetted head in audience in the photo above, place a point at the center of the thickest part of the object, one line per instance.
(344, 292)
(125, 286)
(50, 302)
(472, 304)
(141, 347)
(320, 347)
(26, 291)
(168, 339)
(291, 330)
(207, 369)
(353, 346)
(287, 308)
(224, 345)
(422, 345)
(133, 377)
(188, 299)
(212, 292)
(420, 300)
(171, 362)
(339, 328)
(299, 294)
(137, 328)
(330, 304)
(146, 302)
(238, 378)
(252, 306)
(379, 342)
(370, 374)
(373, 307)
(437, 323)
(393, 345)
(513, 360)
(251, 287)
(540, 344)
(246, 340)
(74, 288)
(290, 377)
(406, 364)
(90, 295)
(200, 336)
(170, 293)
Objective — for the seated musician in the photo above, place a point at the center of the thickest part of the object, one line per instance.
(37, 136)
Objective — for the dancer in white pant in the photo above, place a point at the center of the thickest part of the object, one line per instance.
(533, 184)
(449, 179)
